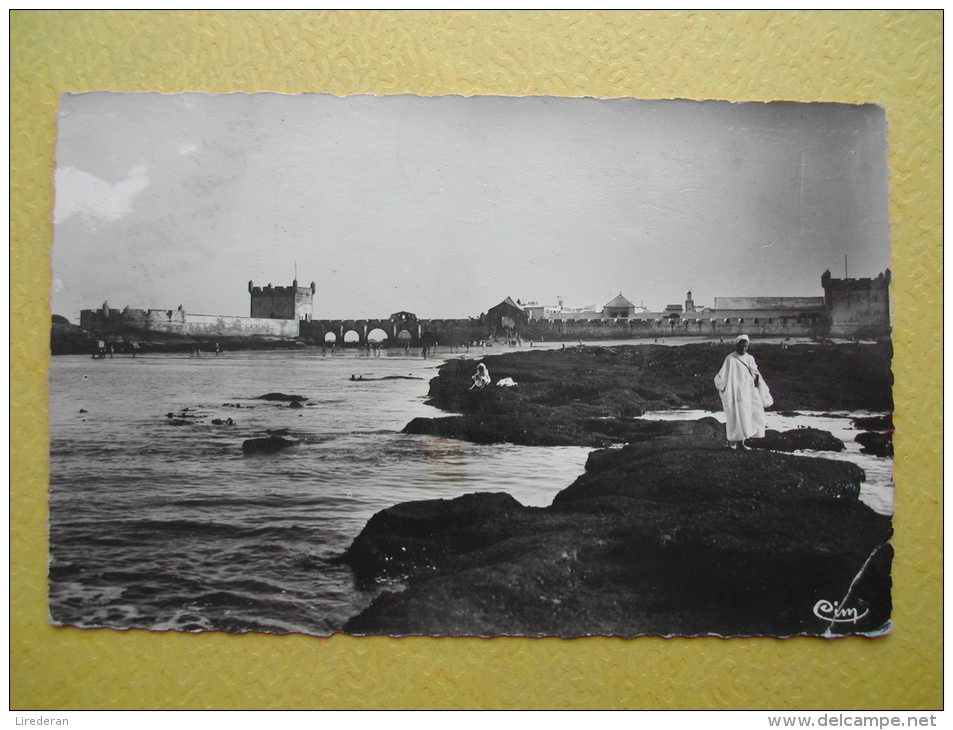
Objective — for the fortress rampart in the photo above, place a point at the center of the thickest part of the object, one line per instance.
(178, 322)
(461, 331)
(858, 306)
(849, 308)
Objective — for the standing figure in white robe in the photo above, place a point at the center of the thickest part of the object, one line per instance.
(744, 395)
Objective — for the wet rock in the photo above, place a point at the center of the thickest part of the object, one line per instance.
(184, 414)
(802, 377)
(673, 533)
(662, 538)
(674, 469)
(267, 445)
(797, 439)
(295, 404)
(559, 389)
(282, 397)
(558, 427)
(878, 444)
(874, 423)
(419, 536)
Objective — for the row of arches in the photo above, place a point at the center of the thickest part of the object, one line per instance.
(376, 336)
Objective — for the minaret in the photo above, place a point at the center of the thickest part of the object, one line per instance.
(689, 304)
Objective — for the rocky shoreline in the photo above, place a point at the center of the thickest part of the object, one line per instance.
(672, 534)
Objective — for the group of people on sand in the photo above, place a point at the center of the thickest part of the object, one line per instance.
(108, 349)
(743, 391)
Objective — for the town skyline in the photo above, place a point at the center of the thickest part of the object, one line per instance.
(444, 206)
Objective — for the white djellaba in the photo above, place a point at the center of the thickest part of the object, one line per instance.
(744, 394)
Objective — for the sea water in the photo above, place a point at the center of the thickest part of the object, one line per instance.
(163, 523)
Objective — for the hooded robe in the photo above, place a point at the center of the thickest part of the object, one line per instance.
(481, 378)
(743, 400)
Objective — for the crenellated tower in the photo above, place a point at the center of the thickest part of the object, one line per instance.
(282, 302)
(858, 307)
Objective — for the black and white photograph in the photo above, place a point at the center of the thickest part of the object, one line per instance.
(470, 366)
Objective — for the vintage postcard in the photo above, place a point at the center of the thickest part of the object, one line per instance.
(470, 366)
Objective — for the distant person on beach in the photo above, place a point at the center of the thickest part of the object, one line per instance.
(481, 378)
(744, 395)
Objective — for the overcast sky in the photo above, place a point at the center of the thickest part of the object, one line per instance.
(444, 206)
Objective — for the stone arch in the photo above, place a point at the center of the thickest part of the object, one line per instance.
(330, 337)
(376, 335)
(404, 337)
(351, 337)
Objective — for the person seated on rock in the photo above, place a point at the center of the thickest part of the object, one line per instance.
(481, 378)
(744, 395)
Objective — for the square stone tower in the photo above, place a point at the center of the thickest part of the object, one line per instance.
(282, 302)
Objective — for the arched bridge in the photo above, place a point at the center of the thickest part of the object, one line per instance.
(400, 329)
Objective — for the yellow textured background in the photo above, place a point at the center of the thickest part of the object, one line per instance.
(893, 57)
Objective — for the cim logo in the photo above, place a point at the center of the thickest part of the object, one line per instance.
(827, 611)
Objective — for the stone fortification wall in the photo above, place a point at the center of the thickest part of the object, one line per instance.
(443, 331)
(178, 322)
(858, 307)
(459, 331)
(768, 303)
(621, 329)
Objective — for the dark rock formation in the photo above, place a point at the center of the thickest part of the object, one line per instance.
(184, 413)
(414, 537)
(671, 534)
(295, 404)
(878, 444)
(267, 445)
(653, 377)
(558, 427)
(588, 395)
(874, 423)
(797, 439)
(282, 397)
